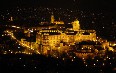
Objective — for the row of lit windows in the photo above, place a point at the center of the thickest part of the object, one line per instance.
(52, 41)
(49, 31)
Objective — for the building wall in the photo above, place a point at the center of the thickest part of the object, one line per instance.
(47, 41)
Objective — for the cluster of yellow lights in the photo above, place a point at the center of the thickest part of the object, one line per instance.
(59, 48)
(20, 43)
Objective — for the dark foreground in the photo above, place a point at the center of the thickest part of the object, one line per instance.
(41, 64)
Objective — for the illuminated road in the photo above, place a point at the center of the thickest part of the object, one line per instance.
(20, 43)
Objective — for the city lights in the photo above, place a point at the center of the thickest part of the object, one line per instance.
(58, 37)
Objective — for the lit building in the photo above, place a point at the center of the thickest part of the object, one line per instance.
(76, 25)
(52, 19)
(55, 37)
(56, 22)
(11, 18)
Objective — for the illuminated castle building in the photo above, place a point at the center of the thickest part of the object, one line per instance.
(55, 22)
(58, 36)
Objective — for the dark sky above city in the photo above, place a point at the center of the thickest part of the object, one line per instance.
(99, 4)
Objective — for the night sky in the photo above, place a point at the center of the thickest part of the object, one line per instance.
(82, 4)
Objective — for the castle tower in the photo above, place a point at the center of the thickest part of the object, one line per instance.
(11, 18)
(52, 18)
(76, 25)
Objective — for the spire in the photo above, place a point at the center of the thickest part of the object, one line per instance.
(52, 18)
(11, 18)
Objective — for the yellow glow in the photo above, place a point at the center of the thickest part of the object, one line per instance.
(62, 58)
(52, 43)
